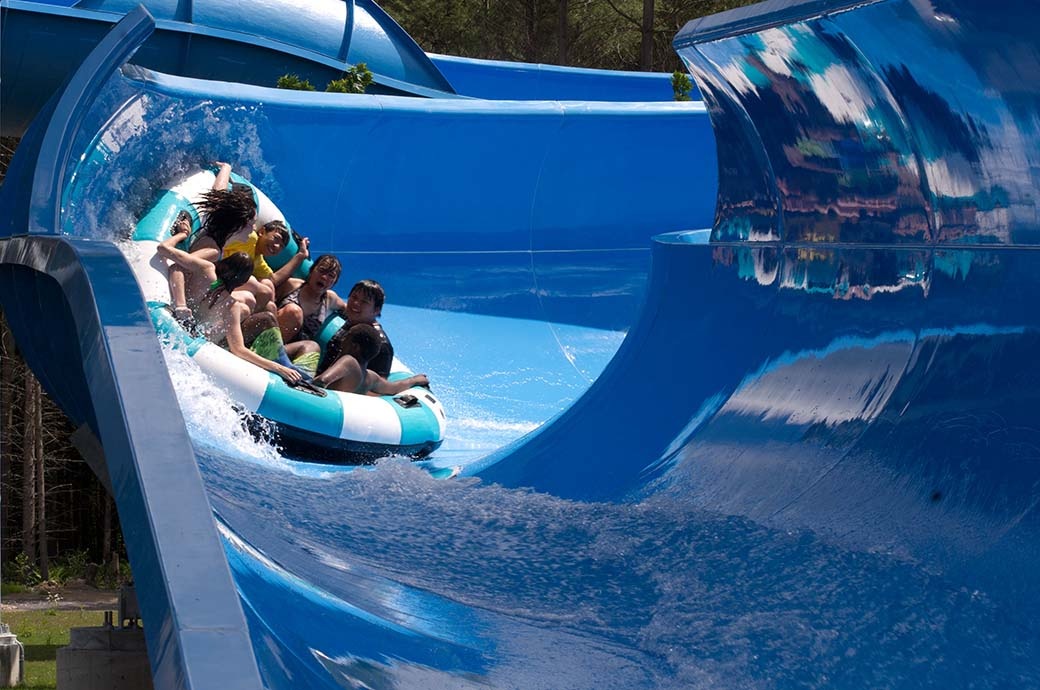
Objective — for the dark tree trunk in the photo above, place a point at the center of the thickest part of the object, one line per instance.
(531, 23)
(563, 30)
(7, 384)
(31, 402)
(106, 543)
(646, 46)
(41, 492)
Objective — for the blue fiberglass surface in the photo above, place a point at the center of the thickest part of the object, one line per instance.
(498, 79)
(254, 42)
(811, 461)
(868, 138)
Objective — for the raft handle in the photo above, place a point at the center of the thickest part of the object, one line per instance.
(407, 401)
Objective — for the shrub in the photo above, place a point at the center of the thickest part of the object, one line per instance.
(292, 81)
(356, 80)
(681, 86)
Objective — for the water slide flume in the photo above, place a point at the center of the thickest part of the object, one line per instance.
(830, 473)
(335, 427)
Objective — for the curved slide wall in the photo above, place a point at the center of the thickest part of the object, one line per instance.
(502, 80)
(255, 43)
(525, 198)
(865, 397)
(527, 191)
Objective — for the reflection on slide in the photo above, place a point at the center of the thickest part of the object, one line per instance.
(796, 449)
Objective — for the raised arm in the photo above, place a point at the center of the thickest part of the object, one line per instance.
(223, 176)
(168, 250)
(284, 273)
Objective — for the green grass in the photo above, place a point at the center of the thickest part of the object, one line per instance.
(42, 633)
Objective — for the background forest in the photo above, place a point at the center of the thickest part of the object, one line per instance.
(605, 34)
(57, 520)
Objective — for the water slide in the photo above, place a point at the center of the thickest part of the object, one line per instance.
(757, 414)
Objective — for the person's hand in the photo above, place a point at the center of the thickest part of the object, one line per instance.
(304, 247)
(421, 380)
(221, 164)
(291, 376)
(182, 225)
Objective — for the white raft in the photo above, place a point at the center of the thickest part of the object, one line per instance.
(340, 427)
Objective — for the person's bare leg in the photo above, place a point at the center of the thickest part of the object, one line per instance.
(261, 291)
(245, 297)
(290, 320)
(343, 375)
(301, 347)
(177, 294)
(255, 324)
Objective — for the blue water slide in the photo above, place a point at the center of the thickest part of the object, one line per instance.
(504, 80)
(419, 191)
(811, 462)
(41, 42)
(254, 43)
(98, 360)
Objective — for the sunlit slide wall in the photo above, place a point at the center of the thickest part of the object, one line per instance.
(256, 42)
(532, 201)
(531, 191)
(252, 43)
(502, 80)
(544, 182)
(854, 351)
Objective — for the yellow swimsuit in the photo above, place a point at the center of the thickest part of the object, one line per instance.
(260, 268)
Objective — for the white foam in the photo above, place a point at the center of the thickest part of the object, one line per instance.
(210, 414)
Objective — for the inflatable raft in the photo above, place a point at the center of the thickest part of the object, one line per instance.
(339, 427)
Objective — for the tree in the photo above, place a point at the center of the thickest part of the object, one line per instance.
(646, 43)
(30, 433)
(563, 29)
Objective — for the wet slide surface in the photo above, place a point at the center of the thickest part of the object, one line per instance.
(811, 462)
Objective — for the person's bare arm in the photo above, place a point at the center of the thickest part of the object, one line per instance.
(337, 304)
(284, 273)
(342, 375)
(377, 384)
(223, 176)
(237, 346)
(193, 263)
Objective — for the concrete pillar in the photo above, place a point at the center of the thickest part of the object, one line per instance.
(12, 658)
(105, 658)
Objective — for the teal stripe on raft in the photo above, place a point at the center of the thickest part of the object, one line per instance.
(155, 225)
(170, 331)
(418, 424)
(290, 406)
(332, 324)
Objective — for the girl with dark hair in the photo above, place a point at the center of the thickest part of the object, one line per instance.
(302, 312)
(221, 317)
(228, 228)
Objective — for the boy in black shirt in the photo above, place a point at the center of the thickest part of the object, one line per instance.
(364, 305)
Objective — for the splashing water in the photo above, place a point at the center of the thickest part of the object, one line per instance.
(211, 416)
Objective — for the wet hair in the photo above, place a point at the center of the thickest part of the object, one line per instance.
(367, 340)
(226, 212)
(327, 259)
(279, 227)
(232, 273)
(372, 290)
